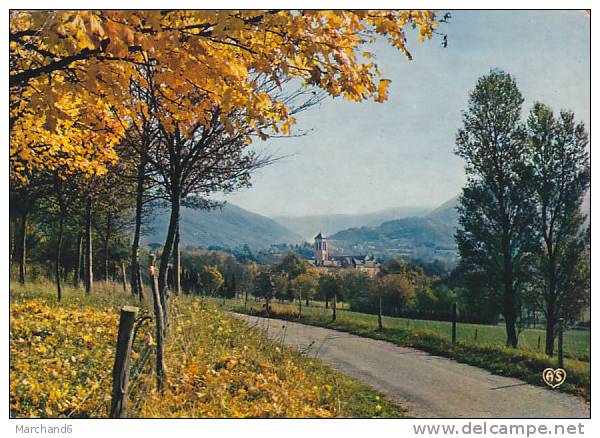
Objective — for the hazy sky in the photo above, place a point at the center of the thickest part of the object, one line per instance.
(365, 157)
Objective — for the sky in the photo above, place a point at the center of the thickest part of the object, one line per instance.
(364, 157)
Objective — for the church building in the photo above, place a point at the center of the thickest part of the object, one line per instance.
(321, 254)
(323, 259)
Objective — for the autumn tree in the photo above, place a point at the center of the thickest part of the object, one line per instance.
(93, 190)
(65, 199)
(70, 76)
(211, 280)
(24, 196)
(398, 291)
(78, 64)
(192, 166)
(557, 149)
(141, 136)
(112, 217)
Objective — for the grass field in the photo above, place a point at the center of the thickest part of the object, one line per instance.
(576, 343)
(488, 351)
(61, 357)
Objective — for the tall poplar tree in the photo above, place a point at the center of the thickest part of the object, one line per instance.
(557, 147)
(495, 236)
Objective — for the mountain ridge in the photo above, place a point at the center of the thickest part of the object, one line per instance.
(229, 226)
(309, 226)
(427, 237)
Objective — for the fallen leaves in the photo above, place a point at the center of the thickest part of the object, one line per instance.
(62, 358)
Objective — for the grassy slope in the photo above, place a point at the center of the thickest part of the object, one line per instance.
(62, 354)
(576, 342)
(434, 337)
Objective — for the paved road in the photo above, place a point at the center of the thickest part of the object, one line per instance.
(428, 386)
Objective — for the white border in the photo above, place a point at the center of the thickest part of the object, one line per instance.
(264, 428)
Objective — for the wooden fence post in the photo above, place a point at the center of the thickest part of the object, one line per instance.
(160, 327)
(453, 323)
(561, 323)
(539, 342)
(475, 333)
(118, 407)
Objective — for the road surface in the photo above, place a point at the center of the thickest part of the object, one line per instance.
(428, 386)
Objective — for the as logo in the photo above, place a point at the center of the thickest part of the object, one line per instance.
(554, 377)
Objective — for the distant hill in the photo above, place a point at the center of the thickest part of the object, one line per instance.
(228, 227)
(428, 237)
(446, 212)
(309, 226)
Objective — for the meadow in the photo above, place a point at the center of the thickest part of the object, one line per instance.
(487, 351)
(61, 359)
(576, 342)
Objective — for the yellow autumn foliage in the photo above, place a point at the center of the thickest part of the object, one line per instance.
(85, 61)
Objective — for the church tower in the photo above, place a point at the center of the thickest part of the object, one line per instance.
(321, 251)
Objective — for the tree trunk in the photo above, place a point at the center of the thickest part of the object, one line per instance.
(61, 221)
(551, 320)
(160, 328)
(136, 274)
(89, 273)
(300, 304)
(327, 302)
(82, 261)
(511, 331)
(22, 246)
(124, 276)
(552, 313)
(510, 311)
(107, 244)
(77, 270)
(176, 264)
(166, 254)
(550, 336)
(12, 238)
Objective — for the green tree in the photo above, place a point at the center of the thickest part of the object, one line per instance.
(356, 288)
(329, 287)
(495, 236)
(304, 286)
(292, 265)
(561, 176)
(282, 286)
(265, 287)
